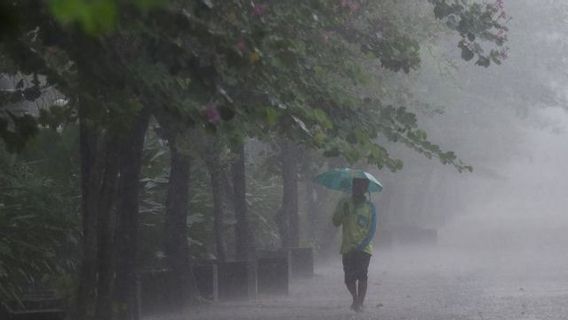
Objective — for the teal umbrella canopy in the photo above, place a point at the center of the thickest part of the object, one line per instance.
(342, 179)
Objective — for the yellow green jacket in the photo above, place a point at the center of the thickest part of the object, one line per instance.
(359, 224)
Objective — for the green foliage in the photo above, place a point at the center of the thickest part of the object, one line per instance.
(200, 218)
(475, 21)
(264, 196)
(293, 69)
(38, 224)
(154, 182)
(95, 17)
(16, 130)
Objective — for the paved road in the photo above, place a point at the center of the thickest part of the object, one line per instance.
(429, 284)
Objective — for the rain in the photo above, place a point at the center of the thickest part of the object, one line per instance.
(207, 159)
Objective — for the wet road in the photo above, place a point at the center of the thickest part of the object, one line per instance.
(429, 284)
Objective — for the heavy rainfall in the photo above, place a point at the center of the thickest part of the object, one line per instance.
(283, 159)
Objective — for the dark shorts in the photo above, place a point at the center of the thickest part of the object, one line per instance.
(356, 265)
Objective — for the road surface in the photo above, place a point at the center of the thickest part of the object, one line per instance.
(421, 283)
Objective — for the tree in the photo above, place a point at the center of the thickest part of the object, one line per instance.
(212, 157)
(288, 215)
(176, 229)
(126, 289)
(297, 65)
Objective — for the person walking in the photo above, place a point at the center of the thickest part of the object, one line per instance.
(358, 220)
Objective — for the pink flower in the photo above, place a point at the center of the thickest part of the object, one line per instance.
(211, 114)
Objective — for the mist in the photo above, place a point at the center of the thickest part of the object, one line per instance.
(341, 159)
(507, 125)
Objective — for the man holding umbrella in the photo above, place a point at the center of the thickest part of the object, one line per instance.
(358, 218)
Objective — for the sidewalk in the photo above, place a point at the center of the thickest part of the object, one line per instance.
(418, 284)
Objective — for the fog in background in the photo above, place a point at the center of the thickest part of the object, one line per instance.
(510, 123)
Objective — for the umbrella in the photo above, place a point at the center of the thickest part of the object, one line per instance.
(342, 179)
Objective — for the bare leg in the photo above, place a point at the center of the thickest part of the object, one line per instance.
(361, 293)
(352, 287)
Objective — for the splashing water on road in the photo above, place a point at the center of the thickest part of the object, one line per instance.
(444, 282)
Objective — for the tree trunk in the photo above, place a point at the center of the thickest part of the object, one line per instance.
(176, 231)
(243, 233)
(312, 208)
(246, 248)
(107, 197)
(289, 219)
(89, 178)
(215, 168)
(127, 224)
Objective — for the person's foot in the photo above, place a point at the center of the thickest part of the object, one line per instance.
(357, 307)
(354, 306)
